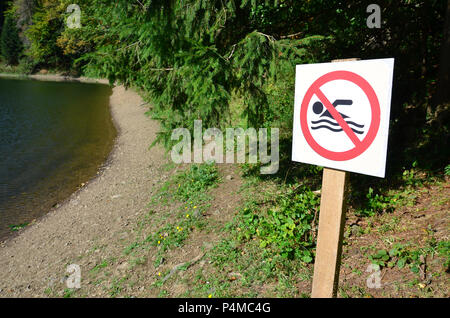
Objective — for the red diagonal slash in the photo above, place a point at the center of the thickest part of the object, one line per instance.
(360, 145)
(333, 112)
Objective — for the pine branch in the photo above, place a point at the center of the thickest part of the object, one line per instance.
(232, 52)
(271, 38)
(143, 7)
(290, 35)
(128, 46)
(161, 69)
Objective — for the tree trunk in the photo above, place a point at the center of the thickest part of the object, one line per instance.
(443, 84)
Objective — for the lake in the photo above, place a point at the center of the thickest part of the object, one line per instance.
(54, 136)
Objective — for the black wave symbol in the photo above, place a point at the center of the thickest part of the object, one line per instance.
(336, 124)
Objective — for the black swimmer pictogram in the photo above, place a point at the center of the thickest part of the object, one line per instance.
(323, 122)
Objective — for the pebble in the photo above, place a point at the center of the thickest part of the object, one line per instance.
(123, 266)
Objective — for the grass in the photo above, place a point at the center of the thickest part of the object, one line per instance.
(190, 189)
(260, 241)
(245, 259)
(181, 202)
(268, 248)
(409, 255)
(117, 286)
(17, 227)
(242, 270)
(69, 293)
(267, 245)
(100, 266)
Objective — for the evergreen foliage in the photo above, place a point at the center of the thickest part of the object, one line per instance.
(191, 57)
(11, 45)
(2, 10)
(216, 59)
(43, 34)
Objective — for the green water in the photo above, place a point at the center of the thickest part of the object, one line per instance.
(53, 137)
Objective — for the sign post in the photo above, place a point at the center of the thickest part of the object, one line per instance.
(341, 122)
(331, 229)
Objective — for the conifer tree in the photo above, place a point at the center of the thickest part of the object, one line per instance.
(10, 43)
(199, 59)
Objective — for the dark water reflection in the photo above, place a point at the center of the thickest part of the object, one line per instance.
(53, 137)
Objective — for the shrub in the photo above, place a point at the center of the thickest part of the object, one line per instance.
(287, 227)
(26, 66)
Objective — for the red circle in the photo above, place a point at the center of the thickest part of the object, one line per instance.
(374, 125)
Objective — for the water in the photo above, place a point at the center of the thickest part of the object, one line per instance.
(53, 137)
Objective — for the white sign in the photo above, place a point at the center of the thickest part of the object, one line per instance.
(341, 115)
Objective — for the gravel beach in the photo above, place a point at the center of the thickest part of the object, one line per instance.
(98, 214)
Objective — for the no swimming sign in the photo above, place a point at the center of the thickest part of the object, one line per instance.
(341, 115)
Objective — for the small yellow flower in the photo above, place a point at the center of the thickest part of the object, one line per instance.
(178, 227)
(209, 296)
(195, 206)
(159, 273)
(159, 242)
(187, 215)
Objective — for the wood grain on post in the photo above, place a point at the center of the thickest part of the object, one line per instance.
(331, 229)
(329, 239)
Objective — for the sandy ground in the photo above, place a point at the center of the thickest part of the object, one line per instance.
(96, 215)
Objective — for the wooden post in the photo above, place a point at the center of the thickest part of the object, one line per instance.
(329, 239)
(331, 229)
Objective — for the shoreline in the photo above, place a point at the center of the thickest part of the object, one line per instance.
(36, 256)
(55, 78)
(106, 163)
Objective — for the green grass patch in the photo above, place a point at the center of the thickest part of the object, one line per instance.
(17, 227)
(190, 189)
(285, 228)
(270, 242)
(410, 255)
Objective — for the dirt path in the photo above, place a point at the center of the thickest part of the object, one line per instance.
(34, 261)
